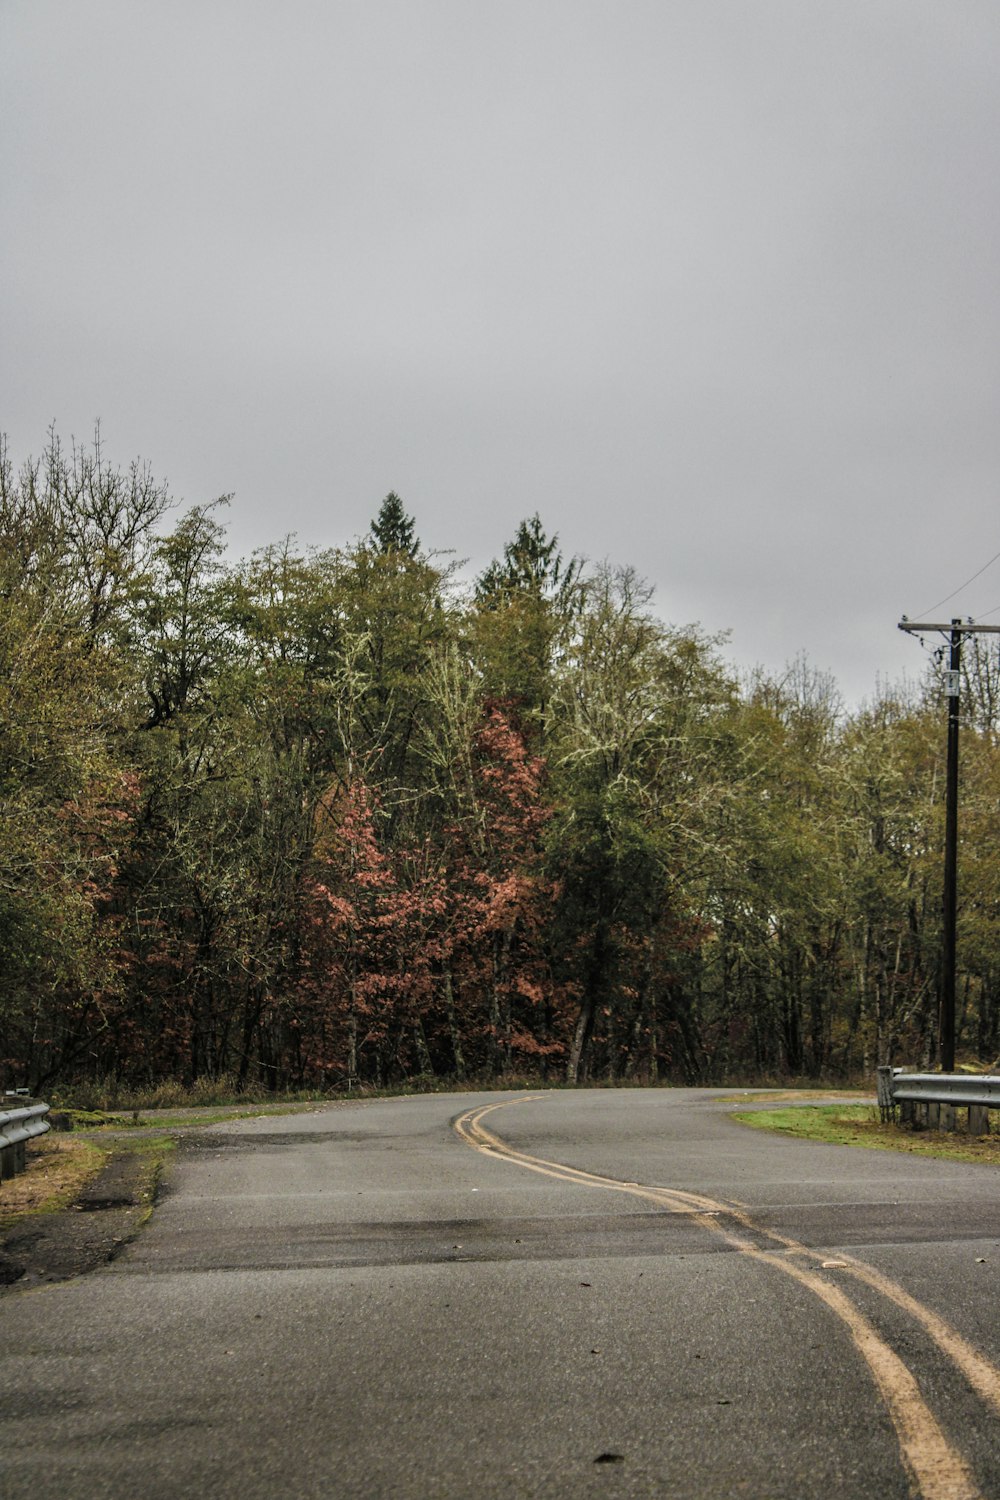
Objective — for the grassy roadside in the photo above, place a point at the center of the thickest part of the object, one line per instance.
(803, 1096)
(60, 1169)
(98, 1120)
(859, 1125)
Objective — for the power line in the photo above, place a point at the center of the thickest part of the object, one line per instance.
(965, 585)
(986, 613)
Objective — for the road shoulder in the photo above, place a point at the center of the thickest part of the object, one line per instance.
(108, 1212)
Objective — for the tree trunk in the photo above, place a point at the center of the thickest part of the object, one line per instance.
(352, 1026)
(581, 1036)
(500, 1045)
(424, 1063)
(456, 1036)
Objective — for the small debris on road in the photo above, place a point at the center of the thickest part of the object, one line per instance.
(610, 1458)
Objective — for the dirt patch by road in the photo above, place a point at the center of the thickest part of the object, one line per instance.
(107, 1212)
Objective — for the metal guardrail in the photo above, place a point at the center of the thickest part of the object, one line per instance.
(17, 1128)
(932, 1098)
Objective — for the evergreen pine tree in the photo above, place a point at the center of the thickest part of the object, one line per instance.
(392, 529)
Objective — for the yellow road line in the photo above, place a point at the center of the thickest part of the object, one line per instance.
(936, 1469)
(981, 1375)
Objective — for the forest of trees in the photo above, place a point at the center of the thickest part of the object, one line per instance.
(324, 818)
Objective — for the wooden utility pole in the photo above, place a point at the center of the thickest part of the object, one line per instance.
(953, 688)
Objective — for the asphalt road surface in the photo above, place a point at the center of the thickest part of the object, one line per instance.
(594, 1293)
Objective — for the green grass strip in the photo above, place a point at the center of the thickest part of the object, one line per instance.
(859, 1125)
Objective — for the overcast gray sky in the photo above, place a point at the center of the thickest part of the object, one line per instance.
(710, 284)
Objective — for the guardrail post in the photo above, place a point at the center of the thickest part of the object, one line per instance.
(979, 1119)
(932, 1118)
(17, 1127)
(946, 1117)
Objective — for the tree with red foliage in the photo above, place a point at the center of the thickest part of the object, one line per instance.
(488, 797)
(363, 973)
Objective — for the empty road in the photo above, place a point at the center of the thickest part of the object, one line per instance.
(608, 1293)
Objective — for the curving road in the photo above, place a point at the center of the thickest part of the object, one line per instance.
(594, 1293)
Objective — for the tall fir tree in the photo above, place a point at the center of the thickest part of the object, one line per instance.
(393, 530)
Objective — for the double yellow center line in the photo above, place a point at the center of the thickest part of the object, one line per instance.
(936, 1469)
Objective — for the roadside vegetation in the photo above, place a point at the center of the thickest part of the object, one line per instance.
(326, 819)
(110, 1094)
(861, 1125)
(61, 1168)
(58, 1169)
